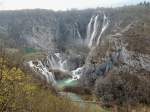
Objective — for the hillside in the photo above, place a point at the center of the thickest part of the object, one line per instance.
(100, 54)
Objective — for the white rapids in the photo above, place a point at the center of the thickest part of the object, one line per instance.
(77, 73)
(39, 68)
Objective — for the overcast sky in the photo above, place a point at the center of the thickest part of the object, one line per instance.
(62, 4)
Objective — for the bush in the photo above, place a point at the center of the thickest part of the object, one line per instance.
(123, 88)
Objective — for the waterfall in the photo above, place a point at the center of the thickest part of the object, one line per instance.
(93, 28)
(79, 35)
(104, 27)
(94, 32)
(42, 70)
(61, 63)
(55, 61)
(89, 29)
(77, 73)
(76, 34)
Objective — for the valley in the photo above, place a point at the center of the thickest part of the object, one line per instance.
(96, 56)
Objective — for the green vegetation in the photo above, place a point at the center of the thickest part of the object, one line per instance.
(21, 92)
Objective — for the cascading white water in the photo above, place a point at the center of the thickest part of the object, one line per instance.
(93, 29)
(94, 32)
(89, 29)
(104, 27)
(61, 66)
(76, 33)
(77, 73)
(61, 63)
(58, 55)
(40, 68)
(51, 61)
(56, 62)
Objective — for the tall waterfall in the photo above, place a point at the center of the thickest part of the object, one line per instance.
(93, 35)
(104, 27)
(53, 61)
(93, 29)
(89, 29)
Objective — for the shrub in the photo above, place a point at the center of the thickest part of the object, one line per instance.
(123, 88)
